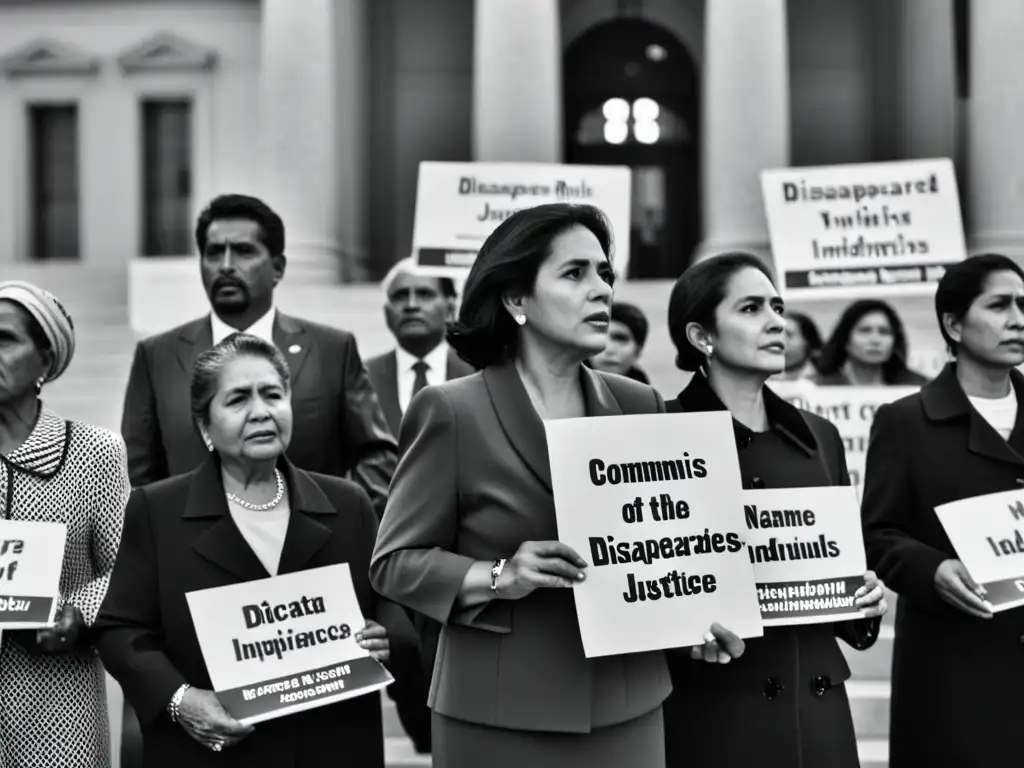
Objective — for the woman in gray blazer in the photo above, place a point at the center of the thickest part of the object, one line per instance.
(469, 535)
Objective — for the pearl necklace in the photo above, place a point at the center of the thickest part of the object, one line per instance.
(262, 507)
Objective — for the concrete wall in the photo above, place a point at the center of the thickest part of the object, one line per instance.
(225, 110)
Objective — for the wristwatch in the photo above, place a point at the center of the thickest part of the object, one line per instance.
(172, 708)
(496, 569)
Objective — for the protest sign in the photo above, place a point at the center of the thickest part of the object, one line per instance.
(807, 548)
(31, 560)
(863, 230)
(987, 533)
(654, 504)
(458, 205)
(850, 409)
(284, 644)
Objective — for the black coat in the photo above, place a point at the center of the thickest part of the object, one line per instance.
(179, 537)
(954, 677)
(783, 703)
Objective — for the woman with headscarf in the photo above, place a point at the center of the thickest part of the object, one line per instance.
(53, 708)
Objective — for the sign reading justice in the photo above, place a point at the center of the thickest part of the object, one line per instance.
(988, 535)
(654, 504)
(31, 559)
(807, 549)
(285, 644)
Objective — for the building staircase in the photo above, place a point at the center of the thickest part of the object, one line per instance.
(93, 390)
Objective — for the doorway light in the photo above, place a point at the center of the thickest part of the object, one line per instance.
(656, 52)
(616, 110)
(616, 132)
(646, 131)
(645, 109)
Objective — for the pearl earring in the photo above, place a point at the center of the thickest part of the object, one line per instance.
(709, 349)
(39, 384)
(209, 443)
(521, 319)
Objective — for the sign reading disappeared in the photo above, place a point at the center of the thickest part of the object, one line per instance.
(870, 229)
(807, 549)
(988, 535)
(284, 644)
(654, 504)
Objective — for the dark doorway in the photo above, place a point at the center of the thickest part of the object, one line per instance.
(631, 98)
(54, 181)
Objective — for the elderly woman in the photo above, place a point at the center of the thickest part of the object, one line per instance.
(246, 513)
(469, 537)
(53, 708)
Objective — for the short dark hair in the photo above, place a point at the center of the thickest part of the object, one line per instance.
(697, 294)
(247, 208)
(964, 282)
(507, 263)
(209, 365)
(833, 355)
(633, 318)
(808, 329)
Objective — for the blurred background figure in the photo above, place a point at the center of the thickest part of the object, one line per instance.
(627, 334)
(867, 348)
(803, 347)
(53, 698)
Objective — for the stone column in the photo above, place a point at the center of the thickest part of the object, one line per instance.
(746, 119)
(517, 81)
(994, 190)
(314, 116)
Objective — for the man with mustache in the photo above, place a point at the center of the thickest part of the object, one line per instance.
(416, 310)
(339, 427)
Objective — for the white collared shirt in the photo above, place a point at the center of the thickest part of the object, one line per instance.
(262, 328)
(437, 371)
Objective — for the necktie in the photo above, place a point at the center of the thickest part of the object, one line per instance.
(420, 368)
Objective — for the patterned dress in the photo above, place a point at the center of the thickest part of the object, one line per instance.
(53, 709)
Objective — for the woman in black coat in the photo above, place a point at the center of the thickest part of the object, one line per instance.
(245, 514)
(783, 703)
(955, 664)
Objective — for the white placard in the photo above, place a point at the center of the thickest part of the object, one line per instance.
(863, 230)
(850, 409)
(31, 560)
(458, 205)
(987, 533)
(807, 548)
(654, 504)
(285, 644)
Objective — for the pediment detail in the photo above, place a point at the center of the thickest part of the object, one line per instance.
(167, 52)
(49, 57)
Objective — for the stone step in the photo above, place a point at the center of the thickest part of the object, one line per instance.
(392, 725)
(876, 662)
(869, 703)
(399, 753)
(874, 753)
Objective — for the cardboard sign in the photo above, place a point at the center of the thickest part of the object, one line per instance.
(31, 560)
(807, 548)
(988, 535)
(458, 205)
(867, 230)
(654, 504)
(285, 644)
(850, 409)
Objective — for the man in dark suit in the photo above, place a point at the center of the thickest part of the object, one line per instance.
(416, 309)
(339, 425)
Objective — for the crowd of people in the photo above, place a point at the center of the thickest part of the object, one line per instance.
(255, 444)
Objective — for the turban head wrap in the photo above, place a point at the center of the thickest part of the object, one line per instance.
(55, 321)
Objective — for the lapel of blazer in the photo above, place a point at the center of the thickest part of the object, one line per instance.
(193, 339)
(388, 392)
(224, 545)
(291, 337)
(598, 396)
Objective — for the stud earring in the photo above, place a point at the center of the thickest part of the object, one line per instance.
(209, 444)
(521, 319)
(709, 349)
(39, 384)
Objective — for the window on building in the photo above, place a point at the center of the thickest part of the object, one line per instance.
(167, 177)
(53, 181)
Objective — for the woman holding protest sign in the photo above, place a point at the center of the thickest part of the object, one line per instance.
(784, 702)
(867, 348)
(960, 437)
(245, 515)
(53, 708)
(469, 534)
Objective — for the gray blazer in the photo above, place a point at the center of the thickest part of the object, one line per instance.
(473, 483)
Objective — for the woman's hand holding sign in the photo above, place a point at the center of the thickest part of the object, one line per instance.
(720, 646)
(870, 598)
(540, 564)
(374, 638)
(955, 585)
(204, 719)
